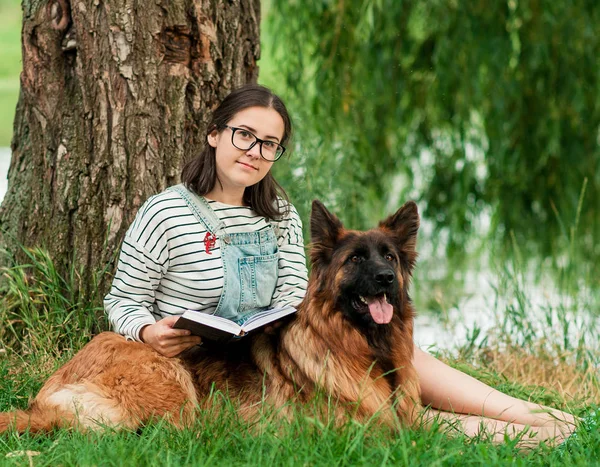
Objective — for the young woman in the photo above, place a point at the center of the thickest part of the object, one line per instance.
(188, 247)
(184, 247)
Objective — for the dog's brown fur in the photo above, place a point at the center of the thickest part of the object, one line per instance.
(328, 348)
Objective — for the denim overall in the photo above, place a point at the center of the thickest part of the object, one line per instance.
(250, 262)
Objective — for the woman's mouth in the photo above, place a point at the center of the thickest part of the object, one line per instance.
(247, 165)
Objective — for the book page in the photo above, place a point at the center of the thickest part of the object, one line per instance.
(213, 321)
(265, 317)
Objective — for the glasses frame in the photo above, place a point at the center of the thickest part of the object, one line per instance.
(256, 140)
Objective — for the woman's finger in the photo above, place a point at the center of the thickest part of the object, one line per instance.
(174, 350)
(168, 344)
(169, 333)
(174, 340)
(169, 320)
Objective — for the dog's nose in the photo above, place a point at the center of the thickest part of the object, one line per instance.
(385, 277)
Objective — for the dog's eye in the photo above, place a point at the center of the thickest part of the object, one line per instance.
(389, 257)
(355, 259)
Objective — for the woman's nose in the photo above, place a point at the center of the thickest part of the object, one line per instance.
(254, 151)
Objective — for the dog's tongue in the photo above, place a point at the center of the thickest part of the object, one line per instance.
(380, 310)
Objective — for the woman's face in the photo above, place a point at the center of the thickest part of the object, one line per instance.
(237, 168)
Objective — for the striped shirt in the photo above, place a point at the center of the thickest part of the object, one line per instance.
(164, 268)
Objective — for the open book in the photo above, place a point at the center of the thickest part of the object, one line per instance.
(216, 328)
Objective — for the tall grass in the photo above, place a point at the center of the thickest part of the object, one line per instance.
(44, 320)
(42, 311)
(225, 440)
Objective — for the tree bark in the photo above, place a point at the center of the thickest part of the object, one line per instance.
(115, 97)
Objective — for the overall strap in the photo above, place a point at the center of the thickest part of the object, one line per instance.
(201, 209)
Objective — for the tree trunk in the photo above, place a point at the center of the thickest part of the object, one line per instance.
(115, 97)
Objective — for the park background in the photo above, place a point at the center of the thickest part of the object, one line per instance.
(486, 113)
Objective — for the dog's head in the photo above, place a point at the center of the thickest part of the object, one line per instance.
(367, 273)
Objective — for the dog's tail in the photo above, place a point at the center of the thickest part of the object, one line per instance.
(32, 419)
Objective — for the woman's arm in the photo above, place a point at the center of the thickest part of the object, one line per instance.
(131, 296)
(292, 275)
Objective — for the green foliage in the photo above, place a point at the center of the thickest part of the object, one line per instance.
(462, 104)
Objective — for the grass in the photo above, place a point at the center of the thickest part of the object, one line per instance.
(225, 443)
(44, 320)
(226, 440)
(10, 65)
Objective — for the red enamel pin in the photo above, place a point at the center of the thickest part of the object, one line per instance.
(210, 240)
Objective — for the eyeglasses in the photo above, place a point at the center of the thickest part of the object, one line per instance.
(245, 140)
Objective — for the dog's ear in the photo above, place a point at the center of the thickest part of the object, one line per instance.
(404, 226)
(325, 229)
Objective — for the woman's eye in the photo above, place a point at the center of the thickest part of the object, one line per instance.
(389, 257)
(245, 134)
(269, 144)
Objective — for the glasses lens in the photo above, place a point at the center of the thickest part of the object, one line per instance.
(243, 139)
(271, 150)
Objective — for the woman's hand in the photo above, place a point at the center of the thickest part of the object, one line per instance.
(168, 341)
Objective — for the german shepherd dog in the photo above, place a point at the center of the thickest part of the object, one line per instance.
(351, 339)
